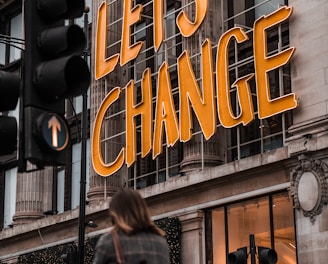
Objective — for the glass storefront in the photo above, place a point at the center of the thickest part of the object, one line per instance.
(269, 218)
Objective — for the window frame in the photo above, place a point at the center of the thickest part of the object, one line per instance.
(209, 248)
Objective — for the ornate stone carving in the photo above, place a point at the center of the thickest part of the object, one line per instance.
(309, 186)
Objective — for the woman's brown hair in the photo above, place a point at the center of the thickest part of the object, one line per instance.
(130, 213)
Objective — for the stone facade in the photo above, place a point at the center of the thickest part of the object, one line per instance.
(211, 183)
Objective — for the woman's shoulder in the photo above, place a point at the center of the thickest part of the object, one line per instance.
(149, 236)
(105, 238)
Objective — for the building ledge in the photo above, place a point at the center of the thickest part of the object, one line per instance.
(221, 172)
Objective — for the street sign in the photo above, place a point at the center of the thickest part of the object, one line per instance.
(54, 131)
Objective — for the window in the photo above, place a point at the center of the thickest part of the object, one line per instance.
(76, 173)
(80, 21)
(260, 135)
(146, 171)
(10, 52)
(8, 183)
(16, 32)
(78, 100)
(11, 36)
(270, 219)
(242, 13)
(60, 187)
(9, 198)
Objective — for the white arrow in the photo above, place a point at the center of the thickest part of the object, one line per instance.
(55, 126)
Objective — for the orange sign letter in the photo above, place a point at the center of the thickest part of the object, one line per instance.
(102, 168)
(225, 111)
(158, 27)
(187, 27)
(165, 115)
(130, 17)
(144, 109)
(189, 91)
(103, 65)
(263, 64)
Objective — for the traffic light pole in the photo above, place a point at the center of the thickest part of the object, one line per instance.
(83, 156)
(252, 247)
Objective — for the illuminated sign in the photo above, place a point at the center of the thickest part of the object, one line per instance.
(207, 109)
(54, 131)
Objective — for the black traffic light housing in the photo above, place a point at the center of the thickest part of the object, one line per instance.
(53, 71)
(267, 255)
(9, 94)
(238, 257)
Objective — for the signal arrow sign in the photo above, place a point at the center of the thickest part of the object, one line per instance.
(54, 131)
(54, 124)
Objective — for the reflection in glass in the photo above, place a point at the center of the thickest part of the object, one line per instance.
(250, 217)
(219, 251)
(275, 226)
(284, 232)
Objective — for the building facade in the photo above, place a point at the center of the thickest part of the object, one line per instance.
(216, 111)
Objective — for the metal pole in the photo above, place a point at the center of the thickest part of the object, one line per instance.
(252, 247)
(83, 155)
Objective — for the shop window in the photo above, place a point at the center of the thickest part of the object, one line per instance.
(284, 231)
(270, 219)
(250, 217)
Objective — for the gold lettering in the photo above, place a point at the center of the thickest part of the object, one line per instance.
(130, 17)
(158, 27)
(99, 165)
(144, 109)
(264, 63)
(201, 98)
(189, 91)
(103, 65)
(225, 111)
(165, 115)
(187, 27)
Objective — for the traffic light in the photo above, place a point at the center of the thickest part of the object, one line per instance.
(53, 71)
(238, 257)
(267, 255)
(9, 94)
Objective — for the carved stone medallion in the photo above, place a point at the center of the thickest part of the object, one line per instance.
(309, 186)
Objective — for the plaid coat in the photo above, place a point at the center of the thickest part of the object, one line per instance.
(142, 247)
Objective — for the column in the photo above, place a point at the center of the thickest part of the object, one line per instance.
(192, 237)
(103, 187)
(199, 152)
(30, 196)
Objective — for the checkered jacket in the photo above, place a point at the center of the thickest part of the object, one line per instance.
(139, 248)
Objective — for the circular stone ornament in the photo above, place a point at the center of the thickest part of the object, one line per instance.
(309, 186)
(308, 191)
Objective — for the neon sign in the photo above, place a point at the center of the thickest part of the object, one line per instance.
(208, 109)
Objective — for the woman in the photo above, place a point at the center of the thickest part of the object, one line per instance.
(141, 240)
